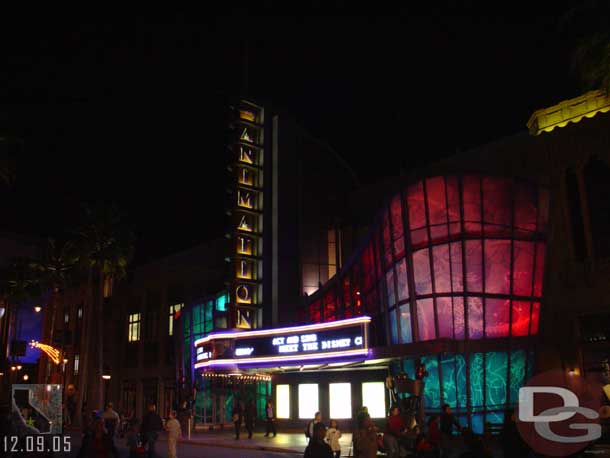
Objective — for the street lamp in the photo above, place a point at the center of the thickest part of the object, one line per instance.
(26, 377)
(37, 308)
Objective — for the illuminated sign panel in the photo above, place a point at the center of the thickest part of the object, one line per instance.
(340, 338)
(246, 210)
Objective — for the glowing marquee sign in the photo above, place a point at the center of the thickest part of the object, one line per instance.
(335, 339)
(246, 210)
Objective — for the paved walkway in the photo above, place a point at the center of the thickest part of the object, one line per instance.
(284, 442)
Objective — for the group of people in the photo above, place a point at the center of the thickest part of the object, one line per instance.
(100, 431)
(323, 441)
(247, 415)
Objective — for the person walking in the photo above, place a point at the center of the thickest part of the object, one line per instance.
(270, 416)
(250, 417)
(317, 448)
(332, 437)
(172, 426)
(365, 439)
(184, 415)
(111, 419)
(237, 416)
(317, 419)
(151, 426)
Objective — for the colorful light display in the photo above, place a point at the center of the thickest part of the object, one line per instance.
(53, 353)
(460, 258)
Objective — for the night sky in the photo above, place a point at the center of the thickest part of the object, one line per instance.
(131, 111)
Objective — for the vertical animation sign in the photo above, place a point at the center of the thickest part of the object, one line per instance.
(246, 211)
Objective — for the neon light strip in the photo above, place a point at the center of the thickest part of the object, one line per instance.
(280, 359)
(269, 332)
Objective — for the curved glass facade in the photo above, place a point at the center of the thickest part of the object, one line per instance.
(459, 258)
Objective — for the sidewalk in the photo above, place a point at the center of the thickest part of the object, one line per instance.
(282, 443)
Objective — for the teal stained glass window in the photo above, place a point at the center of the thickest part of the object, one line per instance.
(393, 328)
(221, 303)
(496, 366)
(462, 387)
(477, 423)
(517, 374)
(432, 397)
(209, 317)
(408, 366)
(406, 332)
(449, 379)
(476, 379)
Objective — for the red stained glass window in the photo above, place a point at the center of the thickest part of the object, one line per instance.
(378, 252)
(368, 267)
(437, 205)
(330, 306)
(439, 233)
(520, 324)
(457, 275)
(417, 209)
(472, 204)
(496, 317)
(425, 319)
(475, 317)
(525, 207)
(402, 281)
(372, 302)
(453, 199)
(421, 272)
(496, 204)
(540, 251)
(497, 266)
(314, 312)
(535, 318)
(444, 312)
(397, 229)
(442, 271)
(458, 317)
(389, 284)
(347, 294)
(523, 263)
(387, 243)
(419, 238)
(474, 267)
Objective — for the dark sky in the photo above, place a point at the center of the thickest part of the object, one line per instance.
(129, 110)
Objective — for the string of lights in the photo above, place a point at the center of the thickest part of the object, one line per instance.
(238, 377)
(50, 351)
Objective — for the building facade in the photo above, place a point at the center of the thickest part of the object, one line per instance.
(487, 267)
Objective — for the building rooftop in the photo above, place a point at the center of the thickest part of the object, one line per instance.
(571, 110)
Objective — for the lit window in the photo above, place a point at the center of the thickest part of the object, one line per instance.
(282, 401)
(308, 400)
(340, 396)
(373, 397)
(76, 361)
(173, 314)
(107, 287)
(66, 317)
(134, 327)
(79, 313)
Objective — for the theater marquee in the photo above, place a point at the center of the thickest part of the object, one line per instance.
(342, 338)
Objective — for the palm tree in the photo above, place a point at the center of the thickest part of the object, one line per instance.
(106, 248)
(586, 25)
(54, 270)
